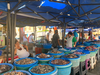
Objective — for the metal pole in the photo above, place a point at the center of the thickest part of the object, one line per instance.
(13, 36)
(8, 28)
(35, 33)
(91, 34)
(82, 35)
(63, 36)
(20, 33)
(12, 20)
(9, 21)
(7, 37)
(79, 37)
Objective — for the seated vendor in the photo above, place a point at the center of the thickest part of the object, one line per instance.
(21, 50)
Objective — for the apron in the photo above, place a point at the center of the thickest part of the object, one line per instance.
(69, 41)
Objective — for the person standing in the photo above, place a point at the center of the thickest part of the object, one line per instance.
(25, 39)
(55, 39)
(76, 34)
(49, 36)
(31, 38)
(31, 42)
(71, 40)
(91, 37)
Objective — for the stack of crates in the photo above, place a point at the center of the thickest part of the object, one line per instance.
(75, 70)
(83, 70)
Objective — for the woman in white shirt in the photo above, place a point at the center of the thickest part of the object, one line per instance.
(21, 50)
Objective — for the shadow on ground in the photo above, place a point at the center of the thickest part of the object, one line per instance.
(96, 70)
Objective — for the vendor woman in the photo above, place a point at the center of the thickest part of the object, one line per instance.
(71, 40)
(21, 50)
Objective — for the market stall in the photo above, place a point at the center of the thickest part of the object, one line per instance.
(56, 62)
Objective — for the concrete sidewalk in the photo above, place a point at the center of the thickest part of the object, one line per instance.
(96, 71)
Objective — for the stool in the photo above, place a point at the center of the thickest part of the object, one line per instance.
(97, 56)
(75, 70)
(87, 63)
(99, 52)
(83, 70)
(93, 62)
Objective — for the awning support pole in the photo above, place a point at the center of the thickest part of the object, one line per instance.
(7, 37)
(63, 36)
(79, 37)
(13, 25)
(82, 35)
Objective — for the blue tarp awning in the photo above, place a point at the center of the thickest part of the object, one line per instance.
(63, 12)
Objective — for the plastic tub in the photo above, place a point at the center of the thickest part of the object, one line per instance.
(82, 57)
(54, 72)
(97, 51)
(26, 66)
(43, 60)
(88, 54)
(81, 47)
(12, 67)
(78, 43)
(47, 46)
(46, 50)
(23, 72)
(87, 43)
(56, 55)
(73, 49)
(63, 69)
(0, 52)
(98, 44)
(66, 51)
(75, 61)
(92, 53)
